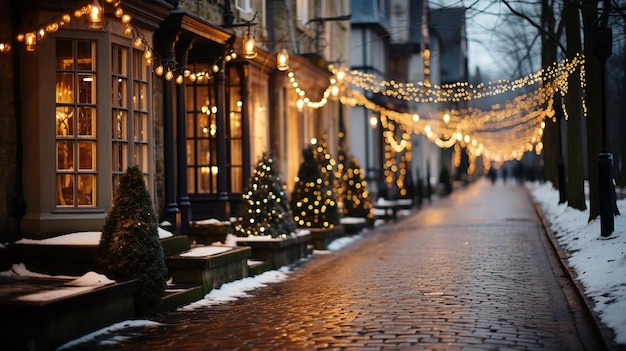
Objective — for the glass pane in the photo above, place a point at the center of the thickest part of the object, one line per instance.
(119, 91)
(139, 96)
(235, 151)
(65, 120)
(203, 152)
(65, 88)
(141, 127)
(65, 155)
(235, 125)
(119, 125)
(139, 69)
(86, 185)
(120, 158)
(86, 92)
(144, 157)
(191, 185)
(65, 189)
(115, 184)
(87, 121)
(120, 60)
(85, 55)
(87, 155)
(190, 124)
(236, 180)
(190, 153)
(65, 54)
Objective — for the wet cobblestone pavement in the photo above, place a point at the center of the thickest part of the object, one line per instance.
(469, 272)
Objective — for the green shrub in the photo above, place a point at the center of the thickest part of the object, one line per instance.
(130, 247)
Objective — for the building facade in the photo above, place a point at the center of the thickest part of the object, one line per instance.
(162, 85)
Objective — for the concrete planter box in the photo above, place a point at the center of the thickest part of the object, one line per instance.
(207, 233)
(209, 271)
(279, 252)
(76, 259)
(48, 322)
(356, 225)
(321, 237)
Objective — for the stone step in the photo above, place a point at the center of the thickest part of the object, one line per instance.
(199, 266)
(179, 295)
(44, 313)
(256, 267)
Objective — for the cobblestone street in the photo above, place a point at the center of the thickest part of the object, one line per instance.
(473, 271)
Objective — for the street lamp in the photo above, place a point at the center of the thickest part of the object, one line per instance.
(603, 40)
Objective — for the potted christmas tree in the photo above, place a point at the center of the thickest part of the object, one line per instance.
(265, 210)
(129, 246)
(356, 208)
(264, 220)
(313, 200)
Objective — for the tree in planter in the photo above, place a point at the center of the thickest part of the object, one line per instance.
(327, 163)
(312, 200)
(353, 189)
(130, 247)
(265, 209)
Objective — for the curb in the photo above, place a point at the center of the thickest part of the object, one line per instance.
(602, 331)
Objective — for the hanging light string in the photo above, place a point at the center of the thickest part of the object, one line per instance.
(461, 91)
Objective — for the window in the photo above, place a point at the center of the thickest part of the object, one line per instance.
(130, 118)
(202, 148)
(76, 122)
(302, 11)
(201, 138)
(243, 5)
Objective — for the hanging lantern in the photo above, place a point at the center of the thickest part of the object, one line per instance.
(95, 15)
(30, 40)
(249, 46)
(282, 60)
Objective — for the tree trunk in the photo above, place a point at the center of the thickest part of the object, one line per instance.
(575, 167)
(593, 100)
(551, 131)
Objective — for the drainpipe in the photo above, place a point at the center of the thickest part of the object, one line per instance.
(18, 202)
(294, 45)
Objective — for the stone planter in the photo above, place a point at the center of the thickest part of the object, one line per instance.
(209, 232)
(321, 237)
(209, 268)
(278, 251)
(354, 225)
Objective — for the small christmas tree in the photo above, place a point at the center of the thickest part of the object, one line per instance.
(327, 163)
(312, 200)
(354, 193)
(130, 247)
(265, 209)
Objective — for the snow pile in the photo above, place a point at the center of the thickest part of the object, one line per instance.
(600, 263)
(238, 289)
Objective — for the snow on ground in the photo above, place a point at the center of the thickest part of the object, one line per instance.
(600, 263)
(107, 330)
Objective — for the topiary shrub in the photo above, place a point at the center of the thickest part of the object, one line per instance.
(130, 247)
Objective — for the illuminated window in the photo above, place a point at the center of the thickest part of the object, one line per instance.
(76, 122)
(202, 148)
(130, 118)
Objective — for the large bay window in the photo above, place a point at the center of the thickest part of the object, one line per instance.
(76, 121)
(79, 95)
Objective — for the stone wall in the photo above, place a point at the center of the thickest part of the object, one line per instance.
(8, 138)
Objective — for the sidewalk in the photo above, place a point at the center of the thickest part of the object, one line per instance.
(473, 271)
